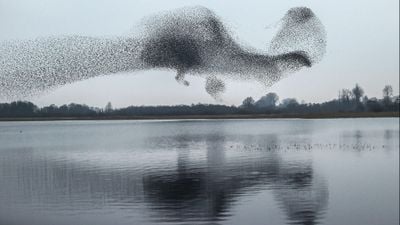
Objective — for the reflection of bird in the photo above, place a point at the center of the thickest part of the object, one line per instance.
(210, 172)
(301, 195)
(206, 193)
(188, 40)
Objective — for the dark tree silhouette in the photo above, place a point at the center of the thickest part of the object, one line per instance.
(265, 105)
(358, 92)
(387, 95)
(387, 91)
(345, 95)
(248, 102)
(289, 102)
(268, 101)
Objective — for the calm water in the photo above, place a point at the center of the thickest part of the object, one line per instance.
(339, 171)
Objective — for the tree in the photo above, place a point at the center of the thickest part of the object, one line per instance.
(108, 108)
(345, 95)
(268, 100)
(387, 91)
(373, 105)
(358, 92)
(289, 102)
(365, 100)
(387, 94)
(248, 102)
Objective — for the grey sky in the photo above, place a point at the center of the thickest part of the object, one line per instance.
(363, 47)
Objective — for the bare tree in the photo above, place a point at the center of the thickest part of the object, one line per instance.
(387, 91)
(358, 92)
(345, 95)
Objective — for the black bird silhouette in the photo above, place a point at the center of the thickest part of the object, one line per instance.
(190, 40)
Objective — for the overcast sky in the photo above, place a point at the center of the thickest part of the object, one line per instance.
(363, 47)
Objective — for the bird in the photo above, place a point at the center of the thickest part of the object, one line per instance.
(188, 40)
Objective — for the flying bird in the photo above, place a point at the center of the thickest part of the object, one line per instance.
(190, 40)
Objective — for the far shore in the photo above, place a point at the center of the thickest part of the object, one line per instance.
(232, 116)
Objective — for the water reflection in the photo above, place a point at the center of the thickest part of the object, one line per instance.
(207, 192)
(199, 172)
(182, 176)
(187, 172)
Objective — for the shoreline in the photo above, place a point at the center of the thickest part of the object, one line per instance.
(229, 116)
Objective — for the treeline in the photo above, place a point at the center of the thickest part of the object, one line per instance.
(348, 101)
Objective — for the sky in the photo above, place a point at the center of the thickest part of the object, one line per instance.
(362, 47)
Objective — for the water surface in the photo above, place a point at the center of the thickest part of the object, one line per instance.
(289, 171)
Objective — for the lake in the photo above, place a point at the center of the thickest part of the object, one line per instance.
(267, 171)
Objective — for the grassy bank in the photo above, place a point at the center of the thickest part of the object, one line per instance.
(233, 116)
